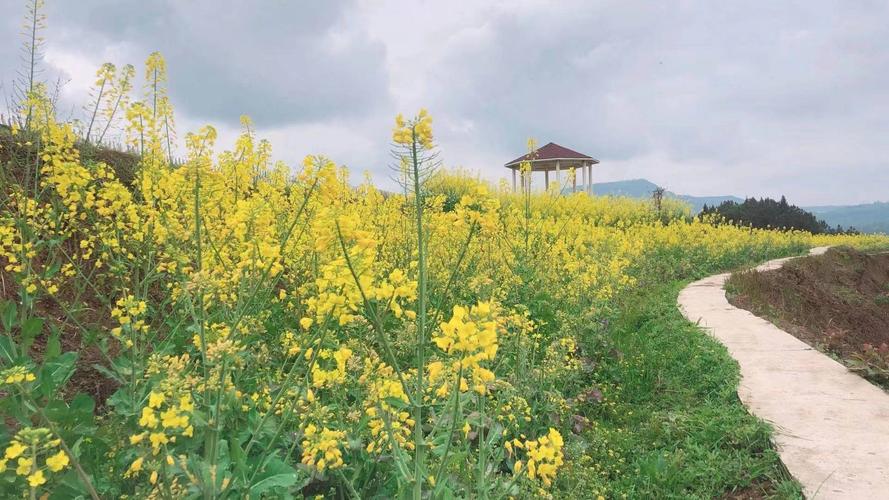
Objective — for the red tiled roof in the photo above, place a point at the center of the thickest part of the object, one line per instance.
(552, 151)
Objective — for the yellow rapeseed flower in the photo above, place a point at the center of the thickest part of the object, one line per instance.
(36, 479)
(58, 461)
(155, 399)
(15, 449)
(24, 466)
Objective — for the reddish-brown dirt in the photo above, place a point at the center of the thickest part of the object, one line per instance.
(86, 378)
(837, 302)
(756, 491)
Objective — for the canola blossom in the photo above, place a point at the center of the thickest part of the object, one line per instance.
(253, 329)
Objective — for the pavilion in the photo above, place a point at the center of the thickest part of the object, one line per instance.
(555, 158)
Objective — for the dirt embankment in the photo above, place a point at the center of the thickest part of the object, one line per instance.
(837, 302)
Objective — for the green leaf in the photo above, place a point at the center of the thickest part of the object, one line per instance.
(52, 270)
(68, 487)
(122, 402)
(239, 458)
(276, 474)
(76, 417)
(53, 344)
(56, 373)
(7, 349)
(109, 373)
(30, 328)
(277, 481)
(7, 315)
(396, 403)
(83, 404)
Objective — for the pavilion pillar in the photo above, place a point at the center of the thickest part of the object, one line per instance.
(590, 177)
(574, 182)
(583, 175)
(546, 179)
(558, 177)
(514, 187)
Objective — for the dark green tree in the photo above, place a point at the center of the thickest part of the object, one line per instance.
(768, 213)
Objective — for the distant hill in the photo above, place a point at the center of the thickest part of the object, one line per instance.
(642, 188)
(868, 218)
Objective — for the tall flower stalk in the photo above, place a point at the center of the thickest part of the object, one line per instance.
(32, 53)
(104, 78)
(119, 97)
(415, 139)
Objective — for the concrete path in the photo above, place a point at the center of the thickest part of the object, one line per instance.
(831, 426)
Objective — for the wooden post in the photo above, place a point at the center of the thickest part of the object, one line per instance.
(574, 186)
(558, 176)
(546, 179)
(514, 187)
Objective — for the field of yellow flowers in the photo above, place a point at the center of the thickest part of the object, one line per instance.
(228, 326)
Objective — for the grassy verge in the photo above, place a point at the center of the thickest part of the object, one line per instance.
(668, 423)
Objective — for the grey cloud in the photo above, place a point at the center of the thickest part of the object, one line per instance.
(742, 97)
(730, 84)
(279, 62)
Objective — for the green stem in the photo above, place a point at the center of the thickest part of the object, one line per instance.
(33, 492)
(95, 110)
(482, 450)
(349, 487)
(419, 445)
(376, 323)
(453, 425)
(32, 63)
(74, 461)
(111, 117)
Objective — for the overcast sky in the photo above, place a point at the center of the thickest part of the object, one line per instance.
(748, 98)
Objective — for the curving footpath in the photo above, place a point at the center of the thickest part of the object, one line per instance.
(831, 426)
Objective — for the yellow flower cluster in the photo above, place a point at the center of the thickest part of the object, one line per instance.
(291, 343)
(418, 129)
(321, 447)
(513, 413)
(17, 375)
(471, 335)
(129, 314)
(544, 456)
(162, 425)
(384, 388)
(560, 360)
(322, 377)
(339, 295)
(27, 448)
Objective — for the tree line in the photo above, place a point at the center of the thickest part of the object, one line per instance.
(769, 213)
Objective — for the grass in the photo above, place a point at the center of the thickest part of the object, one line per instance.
(670, 424)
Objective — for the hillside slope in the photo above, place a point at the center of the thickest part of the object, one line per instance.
(642, 188)
(868, 218)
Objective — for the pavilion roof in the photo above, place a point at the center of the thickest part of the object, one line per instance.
(551, 152)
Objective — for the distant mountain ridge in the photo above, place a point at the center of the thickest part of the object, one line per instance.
(642, 188)
(867, 218)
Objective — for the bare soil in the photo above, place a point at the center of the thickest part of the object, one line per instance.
(837, 302)
(86, 378)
